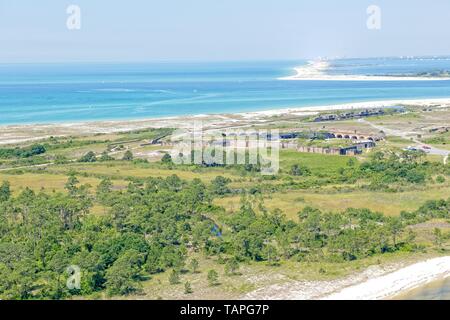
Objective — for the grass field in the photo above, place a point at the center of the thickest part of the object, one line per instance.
(392, 204)
(329, 198)
(37, 182)
(127, 169)
(317, 163)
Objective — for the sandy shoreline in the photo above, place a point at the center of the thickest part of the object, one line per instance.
(441, 102)
(397, 282)
(375, 283)
(316, 70)
(28, 132)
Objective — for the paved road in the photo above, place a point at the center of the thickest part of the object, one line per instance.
(26, 167)
(410, 136)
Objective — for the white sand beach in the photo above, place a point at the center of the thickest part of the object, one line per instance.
(29, 132)
(440, 102)
(374, 283)
(399, 281)
(316, 70)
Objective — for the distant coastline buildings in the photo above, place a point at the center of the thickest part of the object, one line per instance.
(355, 114)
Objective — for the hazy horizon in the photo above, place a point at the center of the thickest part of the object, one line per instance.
(187, 61)
(205, 31)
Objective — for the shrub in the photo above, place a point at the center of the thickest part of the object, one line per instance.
(174, 277)
(128, 156)
(166, 159)
(213, 278)
(88, 157)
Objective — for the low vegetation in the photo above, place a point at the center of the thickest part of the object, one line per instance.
(134, 224)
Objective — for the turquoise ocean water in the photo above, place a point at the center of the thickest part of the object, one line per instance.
(50, 93)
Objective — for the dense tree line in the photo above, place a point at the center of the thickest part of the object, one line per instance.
(22, 152)
(154, 226)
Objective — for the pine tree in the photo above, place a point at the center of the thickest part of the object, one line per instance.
(187, 288)
(174, 277)
(128, 156)
(194, 265)
(213, 278)
(5, 191)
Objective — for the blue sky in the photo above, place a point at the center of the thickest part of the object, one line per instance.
(149, 30)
